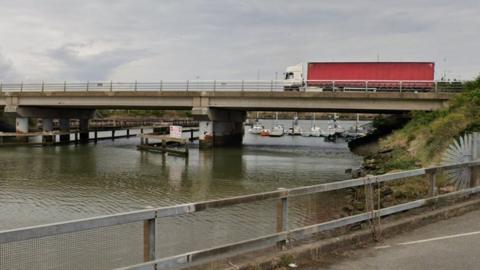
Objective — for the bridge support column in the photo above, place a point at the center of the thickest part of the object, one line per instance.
(21, 126)
(84, 135)
(64, 127)
(47, 126)
(7, 121)
(219, 127)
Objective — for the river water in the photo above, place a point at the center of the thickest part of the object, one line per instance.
(41, 185)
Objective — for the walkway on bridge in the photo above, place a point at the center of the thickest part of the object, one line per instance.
(448, 244)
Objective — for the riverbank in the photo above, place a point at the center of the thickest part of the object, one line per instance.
(421, 141)
(418, 142)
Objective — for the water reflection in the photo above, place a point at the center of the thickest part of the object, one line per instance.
(47, 184)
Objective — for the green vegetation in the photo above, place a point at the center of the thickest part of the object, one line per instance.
(422, 141)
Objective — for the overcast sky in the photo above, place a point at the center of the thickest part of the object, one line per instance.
(150, 40)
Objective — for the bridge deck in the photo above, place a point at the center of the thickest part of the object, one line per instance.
(239, 100)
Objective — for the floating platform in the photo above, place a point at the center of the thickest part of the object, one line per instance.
(164, 144)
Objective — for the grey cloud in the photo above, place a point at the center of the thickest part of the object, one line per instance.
(232, 39)
(7, 70)
(94, 66)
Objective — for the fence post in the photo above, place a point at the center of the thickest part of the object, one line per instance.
(333, 86)
(64, 86)
(149, 239)
(366, 86)
(214, 85)
(88, 85)
(243, 85)
(135, 86)
(161, 85)
(271, 86)
(282, 216)
(21, 86)
(188, 83)
(475, 170)
(1, 87)
(43, 86)
(401, 85)
(432, 180)
(111, 86)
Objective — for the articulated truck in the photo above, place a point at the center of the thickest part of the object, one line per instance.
(351, 76)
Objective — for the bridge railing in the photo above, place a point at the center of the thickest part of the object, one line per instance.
(132, 240)
(384, 86)
(194, 85)
(245, 85)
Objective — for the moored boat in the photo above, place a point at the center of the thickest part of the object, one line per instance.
(277, 131)
(256, 128)
(265, 132)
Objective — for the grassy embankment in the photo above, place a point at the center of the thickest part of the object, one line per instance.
(421, 143)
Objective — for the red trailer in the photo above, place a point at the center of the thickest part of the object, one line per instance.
(369, 75)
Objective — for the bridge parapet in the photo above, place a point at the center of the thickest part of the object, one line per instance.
(235, 85)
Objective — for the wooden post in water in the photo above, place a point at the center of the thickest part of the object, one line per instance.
(164, 145)
(95, 136)
(128, 133)
(76, 137)
(142, 140)
(113, 134)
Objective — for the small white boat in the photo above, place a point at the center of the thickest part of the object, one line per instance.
(295, 131)
(315, 132)
(256, 128)
(277, 131)
(333, 129)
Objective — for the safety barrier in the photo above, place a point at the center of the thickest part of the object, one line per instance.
(145, 223)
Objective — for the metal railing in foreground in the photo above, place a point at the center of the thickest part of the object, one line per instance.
(151, 230)
(244, 85)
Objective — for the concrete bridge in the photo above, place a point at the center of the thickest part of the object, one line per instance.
(219, 106)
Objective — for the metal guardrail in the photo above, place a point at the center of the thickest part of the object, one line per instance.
(223, 85)
(150, 216)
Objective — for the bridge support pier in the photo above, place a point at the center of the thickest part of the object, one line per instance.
(84, 135)
(219, 127)
(64, 126)
(47, 126)
(21, 126)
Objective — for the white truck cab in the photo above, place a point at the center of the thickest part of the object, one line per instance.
(293, 79)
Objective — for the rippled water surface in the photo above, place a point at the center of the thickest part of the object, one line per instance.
(46, 184)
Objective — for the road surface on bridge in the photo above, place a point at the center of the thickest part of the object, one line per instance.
(448, 244)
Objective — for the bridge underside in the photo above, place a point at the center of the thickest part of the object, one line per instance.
(221, 114)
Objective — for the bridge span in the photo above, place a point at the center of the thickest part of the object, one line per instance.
(219, 106)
